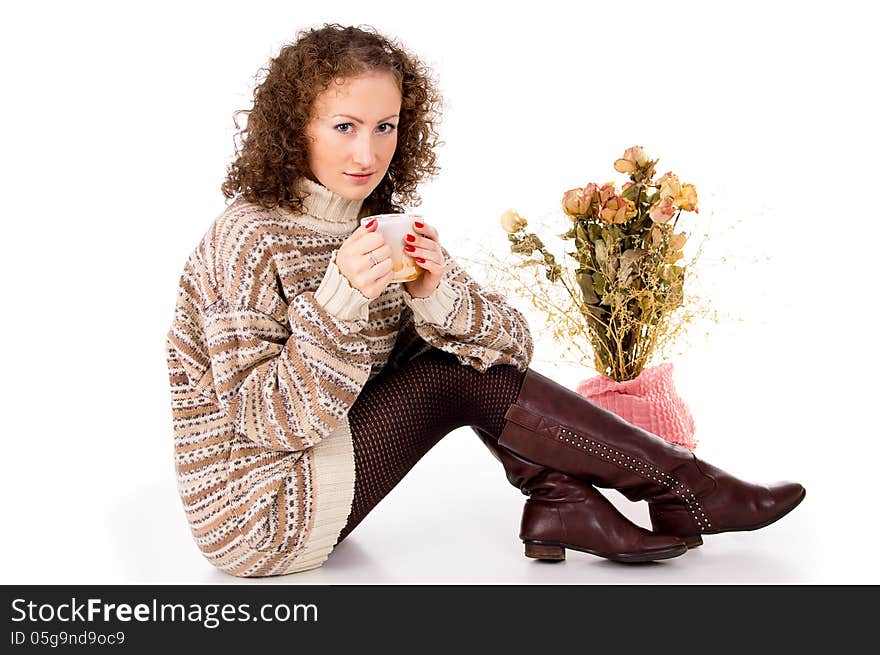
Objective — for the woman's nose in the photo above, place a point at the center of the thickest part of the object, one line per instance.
(364, 153)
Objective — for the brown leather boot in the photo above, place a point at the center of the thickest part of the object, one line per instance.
(563, 512)
(553, 426)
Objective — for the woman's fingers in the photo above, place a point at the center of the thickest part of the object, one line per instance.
(423, 246)
(380, 253)
(426, 230)
(428, 254)
(430, 265)
(424, 242)
(381, 270)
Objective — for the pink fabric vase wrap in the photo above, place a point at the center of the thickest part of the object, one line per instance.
(649, 400)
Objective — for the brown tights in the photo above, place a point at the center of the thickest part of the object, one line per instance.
(400, 415)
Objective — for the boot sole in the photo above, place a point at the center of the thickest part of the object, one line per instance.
(692, 541)
(555, 551)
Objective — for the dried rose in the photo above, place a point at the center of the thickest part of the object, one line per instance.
(617, 210)
(578, 202)
(669, 185)
(677, 240)
(633, 159)
(606, 192)
(662, 210)
(687, 200)
(512, 222)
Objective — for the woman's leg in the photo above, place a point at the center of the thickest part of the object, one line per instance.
(560, 429)
(400, 416)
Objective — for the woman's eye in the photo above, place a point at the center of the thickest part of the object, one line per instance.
(344, 128)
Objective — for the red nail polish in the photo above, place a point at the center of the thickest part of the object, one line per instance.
(420, 260)
(418, 224)
(371, 224)
(410, 248)
(410, 237)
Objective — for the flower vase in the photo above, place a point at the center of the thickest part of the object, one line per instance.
(649, 401)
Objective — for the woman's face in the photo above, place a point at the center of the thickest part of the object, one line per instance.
(353, 130)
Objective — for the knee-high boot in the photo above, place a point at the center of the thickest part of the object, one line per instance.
(563, 512)
(555, 427)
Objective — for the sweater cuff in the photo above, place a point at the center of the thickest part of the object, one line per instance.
(336, 295)
(437, 307)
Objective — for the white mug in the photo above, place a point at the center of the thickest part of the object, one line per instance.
(394, 228)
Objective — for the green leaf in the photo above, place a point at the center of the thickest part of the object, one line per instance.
(631, 193)
(585, 281)
(609, 235)
(600, 252)
(599, 282)
(627, 262)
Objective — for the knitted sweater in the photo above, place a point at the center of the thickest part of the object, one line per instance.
(269, 348)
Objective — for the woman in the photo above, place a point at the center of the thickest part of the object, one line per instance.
(305, 385)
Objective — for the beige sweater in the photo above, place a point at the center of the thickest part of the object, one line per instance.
(268, 349)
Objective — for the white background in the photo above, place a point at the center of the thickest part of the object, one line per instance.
(118, 130)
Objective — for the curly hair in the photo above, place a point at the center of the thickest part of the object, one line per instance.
(271, 151)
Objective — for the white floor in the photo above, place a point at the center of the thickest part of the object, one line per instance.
(101, 506)
(456, 519)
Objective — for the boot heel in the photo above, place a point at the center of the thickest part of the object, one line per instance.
(693, 541)
(544, 551)
(675, 521)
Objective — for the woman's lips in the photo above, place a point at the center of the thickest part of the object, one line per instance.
(359, 179)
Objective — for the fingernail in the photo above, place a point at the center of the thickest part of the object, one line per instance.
(420, 260)
(410, 237)
(371, 224)
(418, 224)
(410, 248)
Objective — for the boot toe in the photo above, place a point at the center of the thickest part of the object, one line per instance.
(656, 541)
(777, 500)
(659, 542)
(654, 546)
(788, 495)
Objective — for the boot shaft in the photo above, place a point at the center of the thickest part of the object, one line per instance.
(604, 450)
(554, 427)
(532, 479)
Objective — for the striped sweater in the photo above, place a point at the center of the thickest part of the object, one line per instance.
(268, 349)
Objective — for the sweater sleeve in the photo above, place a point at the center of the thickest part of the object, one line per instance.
(288, 377)
(477, 325)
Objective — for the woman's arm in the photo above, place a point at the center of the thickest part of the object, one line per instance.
(288, 373)
(477, 325)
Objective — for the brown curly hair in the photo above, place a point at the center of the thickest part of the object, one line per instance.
(272, 150)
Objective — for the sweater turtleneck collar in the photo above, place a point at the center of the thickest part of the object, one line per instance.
(327, 211)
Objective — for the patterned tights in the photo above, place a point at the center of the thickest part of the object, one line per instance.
(399, 416)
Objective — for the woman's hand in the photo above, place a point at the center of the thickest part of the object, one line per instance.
(424, 247)
(353, 261)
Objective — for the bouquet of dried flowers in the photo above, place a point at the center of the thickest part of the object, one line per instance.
(622, 291)
(628, 279)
